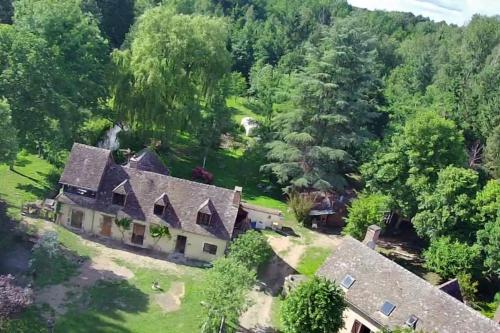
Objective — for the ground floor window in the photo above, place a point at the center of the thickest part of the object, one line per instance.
(210, 248)
(76, 218)
(357, 327)
(138, 234)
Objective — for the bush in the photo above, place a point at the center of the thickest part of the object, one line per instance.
(49, 265)
(251, 249)
(468, 288)
(365, 211)
(301, 205)
(13, 299)
(202, 175)
(449, 258)
(315, 306)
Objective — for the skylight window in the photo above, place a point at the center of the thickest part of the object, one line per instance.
(347, 281)
(411, 321)
(387, 308)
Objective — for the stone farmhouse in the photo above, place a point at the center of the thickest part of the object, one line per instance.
(381, 293)
(96, 191)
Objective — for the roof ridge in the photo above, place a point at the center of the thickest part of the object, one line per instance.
(90, 146)
(179, 179)
(434, 288)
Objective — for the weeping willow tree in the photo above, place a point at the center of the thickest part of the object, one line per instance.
(172, 72)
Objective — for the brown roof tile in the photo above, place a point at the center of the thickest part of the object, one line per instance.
(85, 167)
(184, 200)
(379, 279)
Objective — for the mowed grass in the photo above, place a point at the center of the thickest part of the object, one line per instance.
(131, 306)
(31, 179)
(312, 259)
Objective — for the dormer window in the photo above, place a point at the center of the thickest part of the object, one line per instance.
(118, 199)
(204, 219)
(120, 193)
(159, 209)
(160, 205)
(205, 213)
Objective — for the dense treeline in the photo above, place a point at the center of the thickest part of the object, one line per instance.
(408, 107)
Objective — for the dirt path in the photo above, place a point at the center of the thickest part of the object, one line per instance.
(102, 266)
(259, 313)
(288, 254)
(171, 300)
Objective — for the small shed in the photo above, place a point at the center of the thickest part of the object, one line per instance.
(262, 217)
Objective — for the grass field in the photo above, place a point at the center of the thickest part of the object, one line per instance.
(32, 178)
(130, 306)
(312, 259)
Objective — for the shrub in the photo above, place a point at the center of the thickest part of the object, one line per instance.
(449, 258)
(123, 225)
(251, 249)
(301, 205)
(13, 298)
(49, 263)
(315, 306)
(468, 287)
(157, 232)
(365, 211)
(202, 175)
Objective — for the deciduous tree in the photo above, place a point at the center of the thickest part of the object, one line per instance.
(224, 293)
(364, 211)
(315, 306)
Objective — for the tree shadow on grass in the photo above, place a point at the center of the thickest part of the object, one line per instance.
(103, 308)
(37, 191)
(273, 275)
(22, 161)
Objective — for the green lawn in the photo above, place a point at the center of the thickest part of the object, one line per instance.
(130, 306)
(312, 259)
(32, 178)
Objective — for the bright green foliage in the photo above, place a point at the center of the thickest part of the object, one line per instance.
(52, 71)
(301, 205)
(447, 209)
(158, 232)
(409, 166)
(8, 135)
(489, 240)
(448, 258)
(332, 106)
(364, 211)
(468, 287)
(487, 202)
(251, 249)
(492, 153)
(315, 306)
(123, 225)
(226, 286)
(172, 73)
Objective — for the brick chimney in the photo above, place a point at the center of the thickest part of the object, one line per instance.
(372, 235)
(237, 196)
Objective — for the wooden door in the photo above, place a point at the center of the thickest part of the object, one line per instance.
(180, 244)
(76, 219)
(138, 234)
(107, 223)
